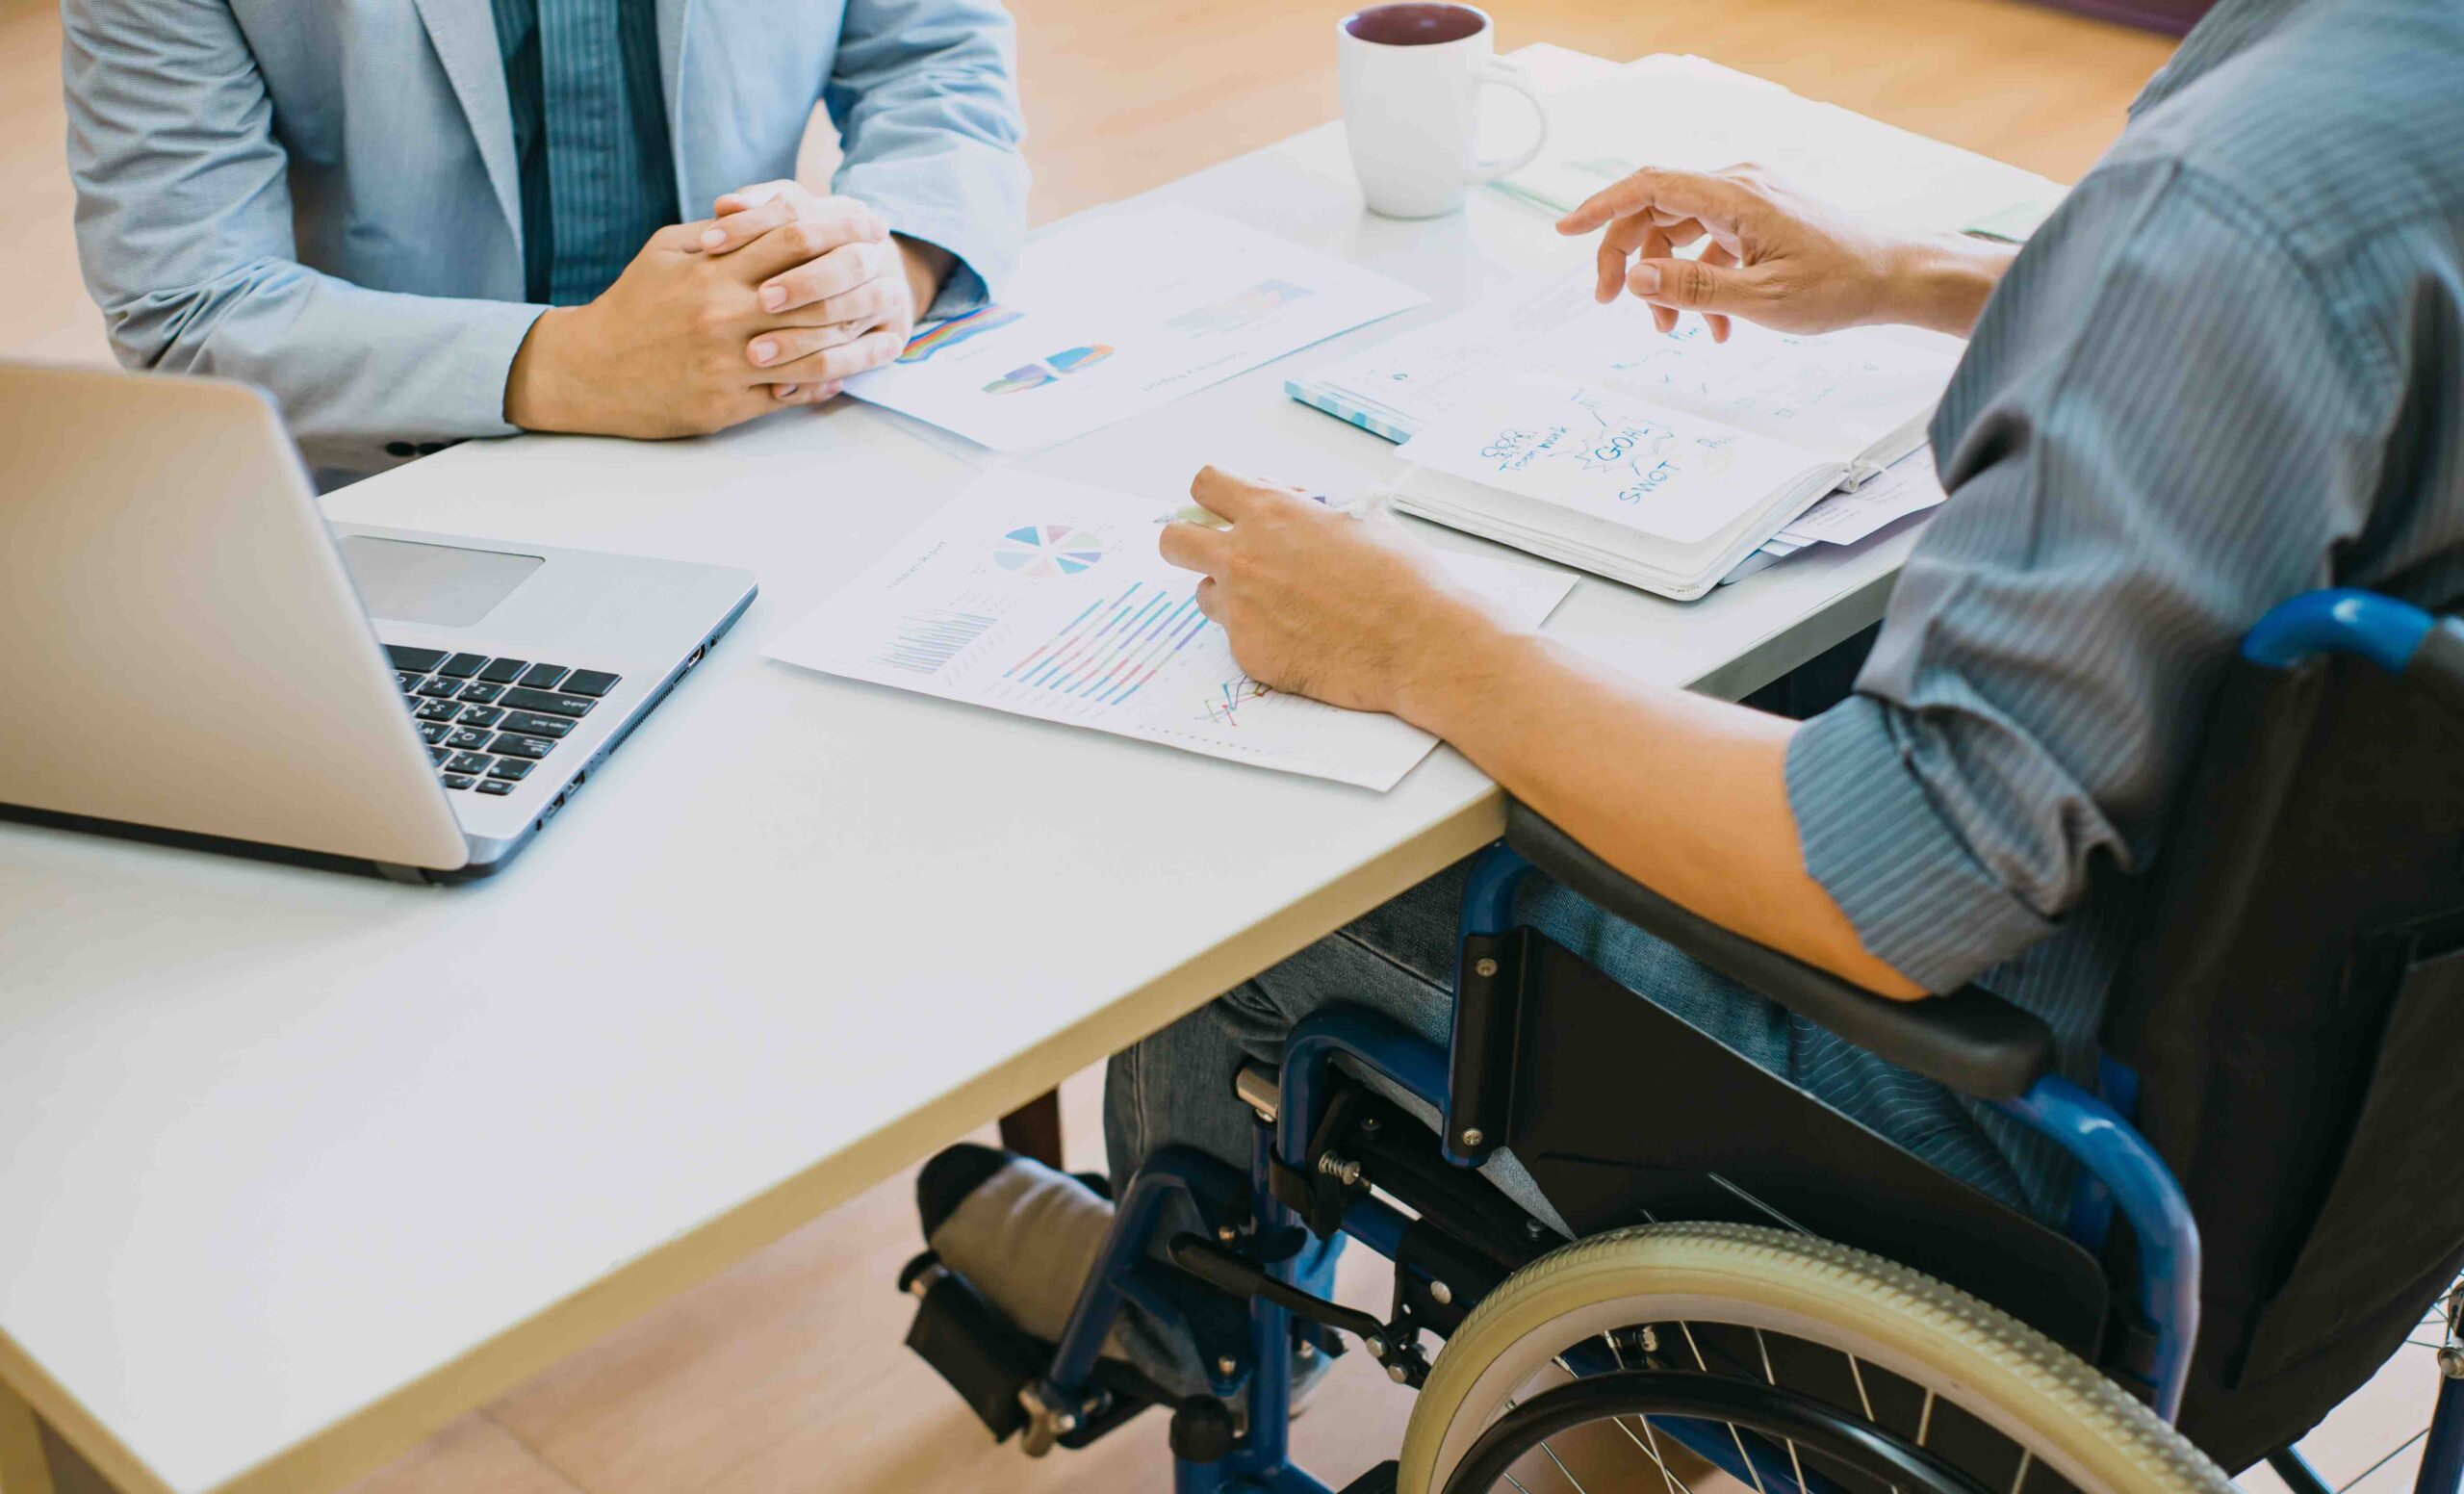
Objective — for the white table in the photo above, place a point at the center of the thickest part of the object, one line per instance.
(296, 1167)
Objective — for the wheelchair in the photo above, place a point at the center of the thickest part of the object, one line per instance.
(2268, 1200)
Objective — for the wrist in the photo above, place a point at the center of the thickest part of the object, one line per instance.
(1466, 656)
(928, 269)
(1941, 282)
(538, 393)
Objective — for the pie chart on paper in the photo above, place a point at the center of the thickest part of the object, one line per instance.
(1048, 549)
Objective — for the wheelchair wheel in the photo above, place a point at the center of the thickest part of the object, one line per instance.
(1796, 1365)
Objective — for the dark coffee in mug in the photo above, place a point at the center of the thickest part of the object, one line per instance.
(1416, 25)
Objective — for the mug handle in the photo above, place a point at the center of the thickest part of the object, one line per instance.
(1505, 74)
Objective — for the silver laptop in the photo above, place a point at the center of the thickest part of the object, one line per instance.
(189, 652)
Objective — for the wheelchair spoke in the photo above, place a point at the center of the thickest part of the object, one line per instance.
(1651, 1451)
(1513, 1404)
(1563, 1469)
(1669, 1481)
(1648, 1441)
(1735, 1435)
(1796, 1466)
(1857, 1373)
(1925, 1419)
(2027, 1455)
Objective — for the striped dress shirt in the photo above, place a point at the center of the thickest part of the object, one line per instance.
(590, 133)
(2230, 369)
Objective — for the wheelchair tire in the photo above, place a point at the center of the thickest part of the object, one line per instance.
(2055, 1407)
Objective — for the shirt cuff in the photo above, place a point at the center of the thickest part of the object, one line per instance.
(974, 216)
(1874, 837)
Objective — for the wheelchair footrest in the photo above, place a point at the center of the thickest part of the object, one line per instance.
(1380, 1480)
(988, 1360)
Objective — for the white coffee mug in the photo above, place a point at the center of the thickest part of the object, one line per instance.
(1412, 78)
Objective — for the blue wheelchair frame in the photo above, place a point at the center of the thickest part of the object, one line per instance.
(2117, 1171)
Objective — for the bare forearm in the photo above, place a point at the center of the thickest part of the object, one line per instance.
(1941, 282)
(1683, 794)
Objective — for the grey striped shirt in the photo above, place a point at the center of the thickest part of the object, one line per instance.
(2229, 369)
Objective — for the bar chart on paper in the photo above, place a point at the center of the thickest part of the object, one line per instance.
(1113, 649)
(1048, 599)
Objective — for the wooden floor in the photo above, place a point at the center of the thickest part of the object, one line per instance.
(785, 1374)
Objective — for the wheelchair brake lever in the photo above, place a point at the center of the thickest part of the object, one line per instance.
(1391, 1345)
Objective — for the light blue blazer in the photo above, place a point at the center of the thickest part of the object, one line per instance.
(320, 196)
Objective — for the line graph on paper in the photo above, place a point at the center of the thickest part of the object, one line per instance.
(1224, 707)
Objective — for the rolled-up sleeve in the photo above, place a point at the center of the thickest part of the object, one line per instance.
(2126, 500)
(925, 96)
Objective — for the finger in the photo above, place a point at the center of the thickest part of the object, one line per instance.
(734, 230)
(743, 197)
(1714, 199)
(827, 225)
(870, 350)
(682, 238)
(1623, 236)
(1194, 547)
(1625, 240)
(1237, 498)
(1690, 285)
(779, 347)
(807, 394)
(836, 272)
(1209, 600)
(869, 305)
(1680, 231)
(1718, 257)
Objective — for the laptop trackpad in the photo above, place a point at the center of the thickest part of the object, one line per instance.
(443, 585)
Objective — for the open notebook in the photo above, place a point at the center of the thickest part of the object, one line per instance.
(1580, 432)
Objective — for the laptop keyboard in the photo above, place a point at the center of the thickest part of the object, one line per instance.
(488, 721)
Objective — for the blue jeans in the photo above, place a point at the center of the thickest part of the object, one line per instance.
(1175, 1087)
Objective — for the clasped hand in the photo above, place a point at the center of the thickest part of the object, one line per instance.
(777, 299)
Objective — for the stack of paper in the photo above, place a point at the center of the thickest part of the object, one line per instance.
(1694, 115)
(1851, 516)
(1118, 313)
(1582, 434)
(1049, 599)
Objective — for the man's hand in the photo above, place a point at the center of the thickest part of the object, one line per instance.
(1775, 257)
(1350, 610)
(774, 303)
(1685, 793)
(871, 282)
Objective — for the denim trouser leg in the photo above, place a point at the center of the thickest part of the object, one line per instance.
(1175, 1087)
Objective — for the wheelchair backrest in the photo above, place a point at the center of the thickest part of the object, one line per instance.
(2293, 1012)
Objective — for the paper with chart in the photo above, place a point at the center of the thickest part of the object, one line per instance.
(1835, 393)
(1120, 313)
(1048, 599)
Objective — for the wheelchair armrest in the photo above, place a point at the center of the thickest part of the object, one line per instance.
(1970, 1040)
